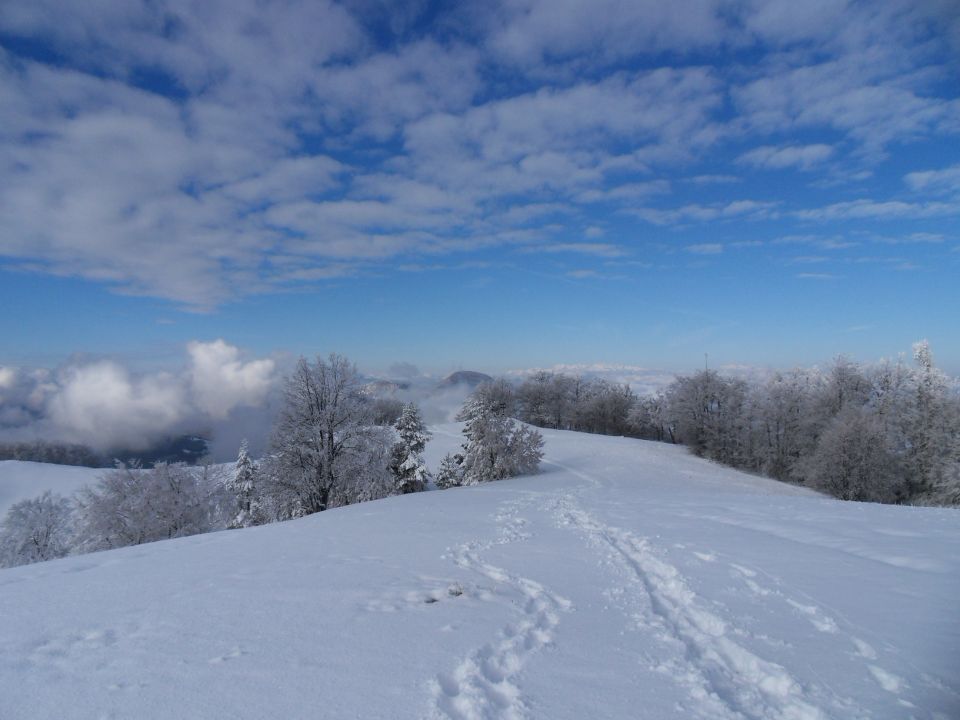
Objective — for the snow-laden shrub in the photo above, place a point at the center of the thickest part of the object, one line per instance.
(35, 530)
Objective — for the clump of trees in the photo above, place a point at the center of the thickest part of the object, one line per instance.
(130, 506)
(563, 402)
(496, 446)
(887, 433)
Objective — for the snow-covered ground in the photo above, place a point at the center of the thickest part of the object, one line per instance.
(626, 580)
(24, 480)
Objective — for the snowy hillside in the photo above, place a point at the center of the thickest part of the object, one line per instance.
(23, 480)
(626, 580)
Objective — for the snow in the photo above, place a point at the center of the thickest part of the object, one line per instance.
(24, 480)
(627, 579)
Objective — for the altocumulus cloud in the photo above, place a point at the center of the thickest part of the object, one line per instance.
(203, 152)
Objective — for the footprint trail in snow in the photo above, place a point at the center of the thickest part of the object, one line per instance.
(723, 678)
(485, 684)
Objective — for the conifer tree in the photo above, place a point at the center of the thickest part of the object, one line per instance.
(496, 447)
(408, 464)
(242, 485)
(450, 473)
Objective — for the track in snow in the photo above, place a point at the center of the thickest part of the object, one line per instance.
(725, 679)
(485, 684)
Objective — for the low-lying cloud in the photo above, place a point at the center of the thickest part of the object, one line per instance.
(106, 406)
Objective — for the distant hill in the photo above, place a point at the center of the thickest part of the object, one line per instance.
(470, 378)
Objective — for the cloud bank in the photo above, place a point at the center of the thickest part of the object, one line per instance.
(105, 406)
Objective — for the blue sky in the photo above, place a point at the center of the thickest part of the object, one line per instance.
(485, 185)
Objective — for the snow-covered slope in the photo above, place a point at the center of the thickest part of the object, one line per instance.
(23, 480)
(626, 580)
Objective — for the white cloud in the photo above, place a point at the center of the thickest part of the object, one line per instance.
(855, 95)
(752, 209)
(785, 22)
(705, 249)
(554, 138)
(598, 249)
(714, 179)
(802, 157)
(221, 381)
(101, 402)
(105, 405)
(284, 143)
(527, 32)
(879, 209)
(945, 181)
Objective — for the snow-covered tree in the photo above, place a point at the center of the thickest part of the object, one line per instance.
(35, 530)
(407, 462)
(707, 412)
(450, 473)
(496, 445)
(326, 451)
(241, 484)
(928, 428)
(129, 506)
(780, 412)
(366, 474)
(853, 460)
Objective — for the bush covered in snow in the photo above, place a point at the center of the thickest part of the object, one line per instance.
(496, 446)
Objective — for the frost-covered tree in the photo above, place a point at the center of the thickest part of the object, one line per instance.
(536, 400)
(496, 445)
(385, 410)
(707, 412)
(366, 474)
(604, 408)
(450, 472)
(241, 484)
(928, 428)
(129, 506)
(647, 418)
(35, 530)
(779, 410)
(407, 462)
(853, 460)
(325, 445)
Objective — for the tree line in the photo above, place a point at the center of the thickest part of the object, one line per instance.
(889, 432)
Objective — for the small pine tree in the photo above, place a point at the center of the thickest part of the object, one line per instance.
(497, 446)
(450, 473)
(407, 458)
(243, 484)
